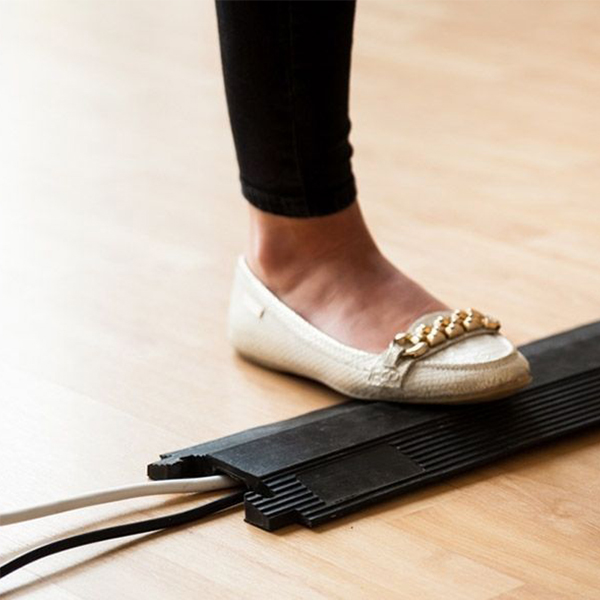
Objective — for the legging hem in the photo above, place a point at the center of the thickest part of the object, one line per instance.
(317, 204)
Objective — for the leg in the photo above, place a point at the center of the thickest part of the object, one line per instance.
(286, 67)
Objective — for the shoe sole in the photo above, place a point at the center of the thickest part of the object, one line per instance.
(486, 396)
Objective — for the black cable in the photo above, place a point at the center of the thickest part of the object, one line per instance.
(111, 533)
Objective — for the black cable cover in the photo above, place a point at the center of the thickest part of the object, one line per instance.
(119, 531)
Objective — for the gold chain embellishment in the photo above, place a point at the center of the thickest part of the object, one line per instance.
(425, 337)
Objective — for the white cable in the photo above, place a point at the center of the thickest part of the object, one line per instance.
(148, 488)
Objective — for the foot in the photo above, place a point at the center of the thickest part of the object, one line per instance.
(330, 271)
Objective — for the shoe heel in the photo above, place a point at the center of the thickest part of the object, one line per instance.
(251, 329)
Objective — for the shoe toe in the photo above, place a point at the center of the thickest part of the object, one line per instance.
(478, 368)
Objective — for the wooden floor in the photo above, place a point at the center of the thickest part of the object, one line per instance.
(477, 138)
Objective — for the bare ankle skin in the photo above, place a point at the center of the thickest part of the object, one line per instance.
(281, 249)
(330, 270)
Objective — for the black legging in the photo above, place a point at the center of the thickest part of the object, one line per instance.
(287, 71)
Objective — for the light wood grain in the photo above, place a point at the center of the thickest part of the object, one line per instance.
(476, 129)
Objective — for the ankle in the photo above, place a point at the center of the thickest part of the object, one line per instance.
(282, 250)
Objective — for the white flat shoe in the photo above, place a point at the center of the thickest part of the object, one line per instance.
(445, 357)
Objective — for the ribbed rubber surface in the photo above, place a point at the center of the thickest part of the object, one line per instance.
(445, 447)
(290, 496)
(325, 464)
